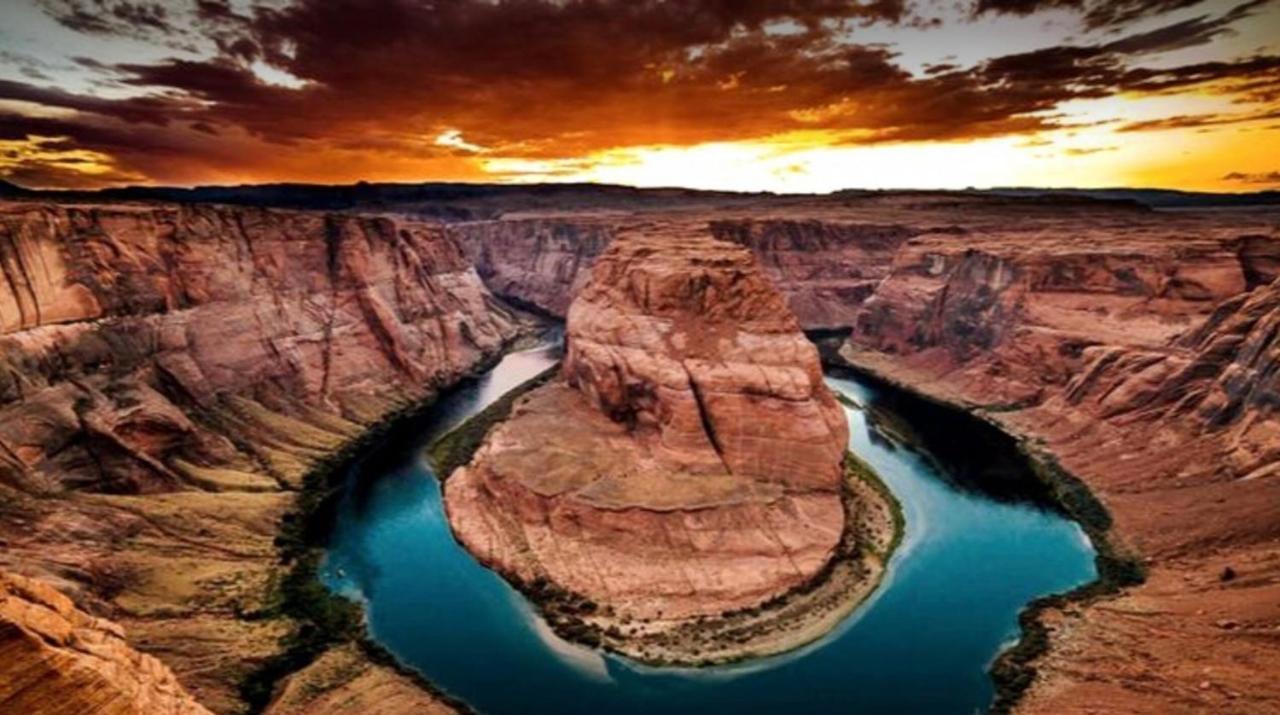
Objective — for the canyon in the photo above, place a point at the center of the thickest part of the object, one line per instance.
(169, 373)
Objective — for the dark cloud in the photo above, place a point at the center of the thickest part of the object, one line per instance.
(1024, 7)
(152, 109)
(634, 73)
(1196, 121)
(114, 17)
(28, 66)
(1097, 13)
(1272, 177)
(558, 79)
(1188, 33)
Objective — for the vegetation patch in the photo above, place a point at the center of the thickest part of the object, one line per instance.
(323, 619)
(1014, 670)
(456, 447)
(859, 469)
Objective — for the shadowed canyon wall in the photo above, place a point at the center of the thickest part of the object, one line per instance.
(168, 374)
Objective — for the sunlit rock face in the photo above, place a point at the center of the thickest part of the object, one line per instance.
(119, 323)
(688, 459)
(689, 339)
(1139, 350)
(55, 659)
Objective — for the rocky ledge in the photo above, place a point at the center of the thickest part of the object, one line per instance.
(685, 467)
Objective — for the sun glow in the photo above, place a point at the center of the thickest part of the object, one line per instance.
(1090, 155)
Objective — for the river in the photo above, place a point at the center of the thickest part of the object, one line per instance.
(971, 557)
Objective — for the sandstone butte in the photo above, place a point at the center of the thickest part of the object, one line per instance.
(167, 374)
(687, 461)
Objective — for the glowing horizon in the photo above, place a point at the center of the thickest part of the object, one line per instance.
(763, 95)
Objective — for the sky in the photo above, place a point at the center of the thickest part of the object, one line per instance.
(772, 95)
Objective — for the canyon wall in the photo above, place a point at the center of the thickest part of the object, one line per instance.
(1142, 358)
(824, 268)
(687, 463)
(168, 374)
(539, 263)
(55, 658)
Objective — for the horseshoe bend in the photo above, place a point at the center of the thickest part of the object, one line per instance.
(685, 465)
(202, 407)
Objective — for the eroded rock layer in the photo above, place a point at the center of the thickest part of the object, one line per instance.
(688, 461)
(825, 268)
(537, 262)
(55, 658)
(1141, 355)
(167, 376)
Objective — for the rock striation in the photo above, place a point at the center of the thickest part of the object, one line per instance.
(1128, 345)
(1140, 357)
(826, 269)
(536, 262)
(55, 658)
(686, 463)
(169, 373)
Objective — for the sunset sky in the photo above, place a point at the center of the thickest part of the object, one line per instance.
(782, 95)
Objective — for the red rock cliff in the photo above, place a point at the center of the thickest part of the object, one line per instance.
(536, 262)
(824, 268)
(1141, 354)
(57, 659)
(169, 373)
(687, 463)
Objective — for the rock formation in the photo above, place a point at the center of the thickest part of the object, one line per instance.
(688, 461)
(535, 262)
(825, 268)
(167, 376)
(55, 658)
(1142, 358)
(343, 681)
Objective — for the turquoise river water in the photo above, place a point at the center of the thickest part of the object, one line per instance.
(971, 557)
